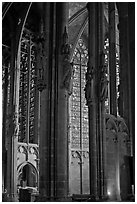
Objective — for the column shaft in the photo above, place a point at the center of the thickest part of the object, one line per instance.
(112, 59)
(13, 127)
(102, 85)
(97, 86)
(4, 130)
(62, 70)
(46, 107)
(125, 108)
(93, 56)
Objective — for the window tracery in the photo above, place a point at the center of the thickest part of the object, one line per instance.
(79, 109)
(27, 90)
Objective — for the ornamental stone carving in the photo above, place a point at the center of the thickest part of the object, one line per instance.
(79, 154)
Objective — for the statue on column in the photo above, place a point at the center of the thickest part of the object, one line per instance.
(41, 59)
(15, 125)
(88, 88)
(103, 80)
(119, 100)
(68, 71)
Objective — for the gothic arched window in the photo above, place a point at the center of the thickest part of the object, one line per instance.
(28, 94)
(78, 107)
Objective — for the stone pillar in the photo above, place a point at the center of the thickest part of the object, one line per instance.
(96, 93)
(112, 59)
(13, 127)
(113, 91)
(124, 62)
(63, 78)
(102, 95)
(4, 129)
(54, 103)
(127, 67)
(125, 70)
(44, 84)
(91, 97)
(131, 33)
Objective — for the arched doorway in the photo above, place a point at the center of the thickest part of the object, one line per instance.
(27, 176)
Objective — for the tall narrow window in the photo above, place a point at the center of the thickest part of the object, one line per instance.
(28, 92)
(79, 109)
(79, 143)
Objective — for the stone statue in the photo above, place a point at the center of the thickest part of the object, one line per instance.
(89, 78)
(15, 125)
(103, 84)
(41, 62)
(65, 49)
(68, 72)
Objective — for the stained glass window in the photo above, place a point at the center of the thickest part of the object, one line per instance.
(78, 107)
(28, 91)
(6, 86)
(106, 51)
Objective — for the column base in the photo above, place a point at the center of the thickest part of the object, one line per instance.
(103, 198)
(93, 198)
(9, 197)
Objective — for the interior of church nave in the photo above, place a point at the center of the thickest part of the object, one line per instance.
(68, 101)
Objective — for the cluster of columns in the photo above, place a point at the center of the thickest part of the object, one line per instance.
(53, 179)
(53, 115)
(126, 28)
(96, 87)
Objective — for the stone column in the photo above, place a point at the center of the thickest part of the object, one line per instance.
(131, 33)
(102, 80)
(91, 97)
(44, 84)
(125, 71)
(63, 77)
(113, 91)
(112, 59)
(54, 103)
(127, 66)
(4, 129)
(13, 127)
(96, 93)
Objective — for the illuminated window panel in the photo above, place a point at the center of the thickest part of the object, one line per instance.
(78, 109)
(27, 94)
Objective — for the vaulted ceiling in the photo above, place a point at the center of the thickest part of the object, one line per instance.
(13, 13)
